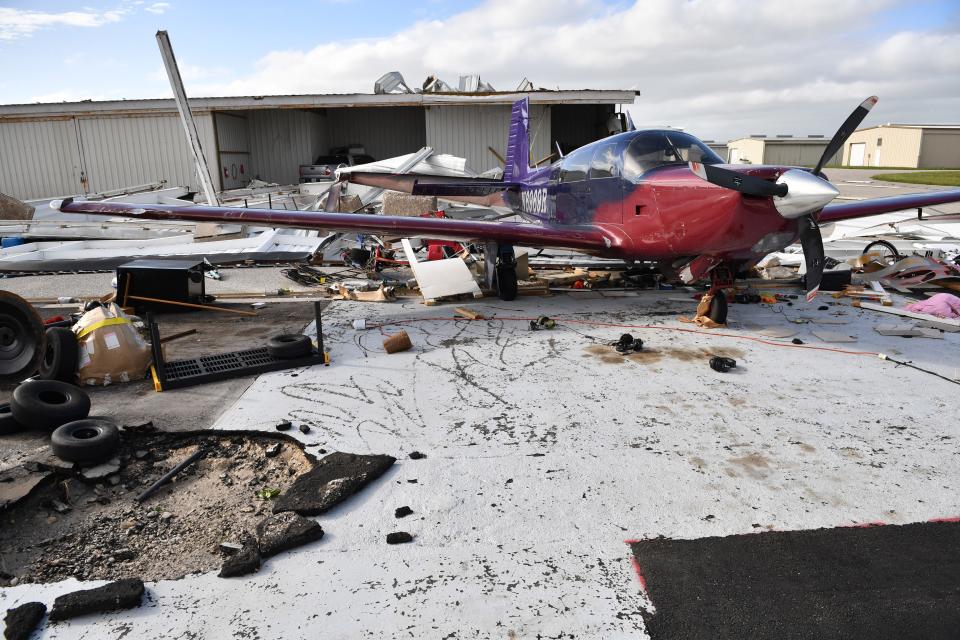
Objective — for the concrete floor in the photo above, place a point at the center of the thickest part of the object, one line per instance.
(546, 453)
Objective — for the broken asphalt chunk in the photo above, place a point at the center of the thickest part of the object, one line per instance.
(242, 562)
(399, 537)
(416, 455)
(286, 530)
(334, 479)
(284, 426)
(21, 621)
(402, 512)
(122, 594)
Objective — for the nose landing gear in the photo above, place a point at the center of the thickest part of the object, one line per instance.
(501, 269)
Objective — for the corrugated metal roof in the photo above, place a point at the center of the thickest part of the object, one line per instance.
(911, 126)
(315, 101)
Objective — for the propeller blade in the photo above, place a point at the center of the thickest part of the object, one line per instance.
(812, 243)
(737, 181)
(848, 127)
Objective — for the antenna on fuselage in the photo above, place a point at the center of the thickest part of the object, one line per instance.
(559, 150)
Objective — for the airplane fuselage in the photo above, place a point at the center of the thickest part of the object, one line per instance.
(662, 213)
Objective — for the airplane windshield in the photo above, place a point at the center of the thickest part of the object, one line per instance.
(653, 149)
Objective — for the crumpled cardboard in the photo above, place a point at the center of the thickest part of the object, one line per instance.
(111, 348)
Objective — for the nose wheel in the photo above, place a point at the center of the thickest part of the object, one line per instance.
(718, 307)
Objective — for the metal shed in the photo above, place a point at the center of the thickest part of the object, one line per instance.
(921, 146)
(50, 150)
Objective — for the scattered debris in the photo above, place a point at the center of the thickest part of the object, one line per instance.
(399, 537)
(122, 594)
(169, 475)
(832, 336)
(286, 530)
(101, 533)
(242, 562)
(402, 512)
(272, 450)
(21, 621)
(304, 428)
(416, 455)
(397, 342)
(722, 364)
(284, 426)
(267, 493)
(469, 314)
(334, 479)
(101, 470)
(627, 343)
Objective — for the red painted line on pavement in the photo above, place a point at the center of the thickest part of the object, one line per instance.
(640, 578)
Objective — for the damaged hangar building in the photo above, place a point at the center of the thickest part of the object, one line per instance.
(50, 150)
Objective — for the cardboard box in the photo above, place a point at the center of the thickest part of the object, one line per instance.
(111, 348)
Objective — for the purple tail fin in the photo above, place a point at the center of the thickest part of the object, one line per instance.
(518, 143)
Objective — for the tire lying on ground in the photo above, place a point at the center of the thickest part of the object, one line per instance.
(289, 345)
(47, 404)
(60, 355)
(8, 423)
(21, 338)
(90, 440)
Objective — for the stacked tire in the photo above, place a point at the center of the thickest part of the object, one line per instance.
(46, 404)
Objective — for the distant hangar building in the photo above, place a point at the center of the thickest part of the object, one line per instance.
(69, 148)
(785, 150)
(920, 146)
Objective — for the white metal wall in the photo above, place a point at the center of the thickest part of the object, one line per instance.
(383, 132)
(282, 140)
(125, 150)
(467, 131)
(39, 159)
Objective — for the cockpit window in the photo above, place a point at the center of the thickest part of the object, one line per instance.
(604, 163)
(653, 149)
(576, 165)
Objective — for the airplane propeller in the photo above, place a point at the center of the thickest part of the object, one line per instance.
(797, 193)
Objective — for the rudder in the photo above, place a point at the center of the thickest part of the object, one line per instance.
(517, 165)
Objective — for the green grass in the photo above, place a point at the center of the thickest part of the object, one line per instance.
(942, 178)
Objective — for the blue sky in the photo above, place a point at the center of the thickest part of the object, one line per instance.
(720, 68)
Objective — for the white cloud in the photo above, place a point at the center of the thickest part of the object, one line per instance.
(722, 68)
(21, 23)
(159, 8)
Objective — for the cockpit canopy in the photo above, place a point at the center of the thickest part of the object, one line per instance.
(633, 154)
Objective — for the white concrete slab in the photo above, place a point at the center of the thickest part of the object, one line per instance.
(547, 451)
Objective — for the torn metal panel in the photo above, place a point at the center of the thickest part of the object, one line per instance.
(107, 254)
(439, 278)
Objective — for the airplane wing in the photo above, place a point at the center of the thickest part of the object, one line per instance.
(863, 208)
(587, 238)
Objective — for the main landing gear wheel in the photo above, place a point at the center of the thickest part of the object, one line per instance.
(718, 307)
(21, 338)
(507, 282)
(888, 253)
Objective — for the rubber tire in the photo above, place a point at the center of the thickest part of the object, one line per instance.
(8, 424)
(894, 254)
(289, 345)
(21, 338)
(90, 440)
(507, 283)
(718, 308)
(47, 404)
(60, 355)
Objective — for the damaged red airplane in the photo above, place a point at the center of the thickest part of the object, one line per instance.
(658, 197)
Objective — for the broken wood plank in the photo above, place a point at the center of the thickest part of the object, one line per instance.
(469, 313)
